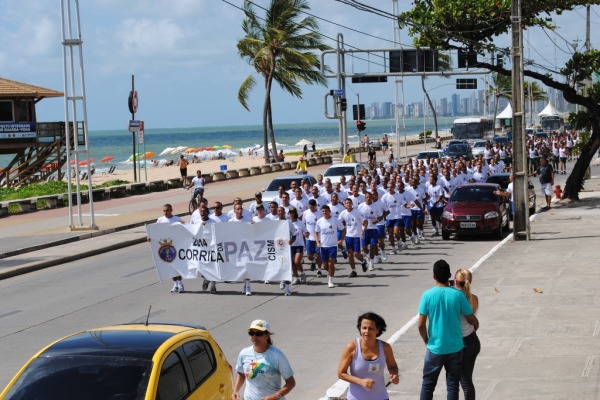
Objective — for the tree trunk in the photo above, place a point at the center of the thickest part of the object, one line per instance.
(272, 132)
(575, 180)
(435, 122)
(265, 134)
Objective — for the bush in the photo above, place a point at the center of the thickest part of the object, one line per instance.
(428, 132)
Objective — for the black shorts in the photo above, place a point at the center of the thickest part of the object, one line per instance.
(183, 171)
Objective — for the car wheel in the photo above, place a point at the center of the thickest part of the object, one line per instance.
(445, 235)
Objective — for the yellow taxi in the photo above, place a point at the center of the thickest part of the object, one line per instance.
(127, 362)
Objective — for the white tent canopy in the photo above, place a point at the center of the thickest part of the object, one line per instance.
(507, 113)
(549, 110)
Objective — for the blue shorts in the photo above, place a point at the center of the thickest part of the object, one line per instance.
(436, 211)
(328, 253)
(297, 249)
(339, 235)
(406, 221)
(417, 214)
(311, 246)
(353, 243)
(371, 237)
(389, 223)
(381, 234)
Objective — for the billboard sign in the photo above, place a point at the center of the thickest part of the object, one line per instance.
(17, 130)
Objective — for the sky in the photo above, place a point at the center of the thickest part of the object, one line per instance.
(184, 58)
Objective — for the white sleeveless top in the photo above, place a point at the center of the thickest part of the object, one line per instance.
(465, 326)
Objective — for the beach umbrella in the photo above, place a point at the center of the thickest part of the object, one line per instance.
(304, 142)
(82, 162)
(149, 154)
(217, 147)
(190, 150)
(226, 146)
(107, 159)
(137, 155)
(167, 150)
(209, 148)
(199, 149)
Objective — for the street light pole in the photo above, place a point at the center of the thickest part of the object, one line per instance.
(521, 218)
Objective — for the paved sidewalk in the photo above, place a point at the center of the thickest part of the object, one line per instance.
(539, 313)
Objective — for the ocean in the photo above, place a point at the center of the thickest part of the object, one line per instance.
(117, 144)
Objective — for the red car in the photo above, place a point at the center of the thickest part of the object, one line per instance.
(475, 209)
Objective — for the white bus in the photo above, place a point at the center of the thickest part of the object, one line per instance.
(473, 128)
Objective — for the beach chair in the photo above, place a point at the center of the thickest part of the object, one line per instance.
(112, 169)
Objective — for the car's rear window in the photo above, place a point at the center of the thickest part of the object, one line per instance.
(82, 377)
(286, 183)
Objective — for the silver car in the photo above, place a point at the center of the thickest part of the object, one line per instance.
(478, 148)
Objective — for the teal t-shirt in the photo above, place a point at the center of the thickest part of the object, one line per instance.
(443, 307)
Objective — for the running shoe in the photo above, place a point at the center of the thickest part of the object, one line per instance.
(353, 274)
(281, 285)
(313, 266)
(204, 284)
(213, 289)
(295, 281)
(404, 245)
(303, 278)
(364, 265)
(319, 274)
(287, 291)
(383, 255)
(181, 289)
(175, 288)
(344, 253)
(330, 285)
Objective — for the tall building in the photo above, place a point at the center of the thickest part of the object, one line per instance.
(455, 104)
(443, 109)
(386, 110)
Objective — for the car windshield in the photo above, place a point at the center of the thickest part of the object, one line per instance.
(473, 194)
(457, 148)
(339, 171)
(286, 183)
(428, 154)
(502, 180)
(479, 144)
(82, 377)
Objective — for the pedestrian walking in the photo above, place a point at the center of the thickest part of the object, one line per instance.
(546, 173)
(183, 164)
(262, 366)
(443, 305)
(169, 218)
(365, 359)
(462, 281)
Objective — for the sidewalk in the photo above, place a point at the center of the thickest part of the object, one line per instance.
(539, 313)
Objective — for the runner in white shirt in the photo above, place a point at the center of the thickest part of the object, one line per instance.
(372, 213)
(282, 213)
(310, 218)
(353, 220)
(408, 202)
(217, 214)
(437, 201)
(261, 215)
(381, 233)
(196, 216)
(246, 213)
(391, 204)
(205, 219)
(418, 211)
(316, 194)
(356, 196)
(299, 202)
(326, 237)
(342, 194)
(238, 214)
(297, 247)
(272, 214)
(257, 201)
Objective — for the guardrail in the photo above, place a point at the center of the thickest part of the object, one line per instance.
(132, 189)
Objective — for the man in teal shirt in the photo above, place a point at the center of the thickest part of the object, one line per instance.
(443, 305)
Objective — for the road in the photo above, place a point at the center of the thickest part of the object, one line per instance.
(311, 326)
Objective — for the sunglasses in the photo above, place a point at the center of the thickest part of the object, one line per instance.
(255, 333)
(452, 282)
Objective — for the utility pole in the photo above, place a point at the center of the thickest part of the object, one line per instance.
(521, 212)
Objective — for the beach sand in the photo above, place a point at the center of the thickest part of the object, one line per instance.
(172, 171)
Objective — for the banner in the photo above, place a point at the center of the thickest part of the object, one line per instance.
(222, 252)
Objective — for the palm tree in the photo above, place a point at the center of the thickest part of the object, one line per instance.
(280, 47)
(501, 87)
(533, 92)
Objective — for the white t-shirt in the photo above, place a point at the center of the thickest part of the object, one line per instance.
(353, 221)
(327, 229)
(245, 218)
(198, 183)
(419, 194)
(391, 203)
(172, 220)
(298, 228)
(434, 193)
(336, 210)
(219, 218)
(263, 371)
(371, 213)
(407, 202)
(310, 221)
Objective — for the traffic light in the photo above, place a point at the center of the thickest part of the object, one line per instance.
(343, 104)
(360, 126)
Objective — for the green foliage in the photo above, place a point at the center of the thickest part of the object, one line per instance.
(428, 132)
(46, 189)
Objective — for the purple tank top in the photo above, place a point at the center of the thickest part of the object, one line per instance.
(368, 369)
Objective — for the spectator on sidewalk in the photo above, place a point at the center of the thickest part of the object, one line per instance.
(462, 281)
(546, 173)
(443, 305)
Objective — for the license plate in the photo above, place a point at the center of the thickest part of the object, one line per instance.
(468, 225)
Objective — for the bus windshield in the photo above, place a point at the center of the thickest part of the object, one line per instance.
(473, 128)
